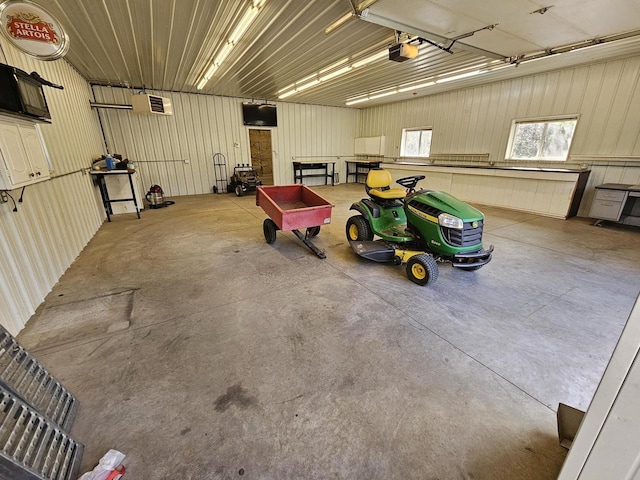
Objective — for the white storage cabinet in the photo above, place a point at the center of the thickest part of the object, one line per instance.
(23, 160)
(369, 146)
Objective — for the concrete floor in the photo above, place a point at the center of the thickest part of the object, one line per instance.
(263, 361)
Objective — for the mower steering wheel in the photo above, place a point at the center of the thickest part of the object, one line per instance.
(410, 182)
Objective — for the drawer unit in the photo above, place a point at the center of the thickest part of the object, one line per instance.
(611, 195)
(616, 202)
(606, 210)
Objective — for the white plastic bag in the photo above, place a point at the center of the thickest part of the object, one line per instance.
(107, 464)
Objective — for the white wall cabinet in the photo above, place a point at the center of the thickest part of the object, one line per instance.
(369, 146)
(23, 160)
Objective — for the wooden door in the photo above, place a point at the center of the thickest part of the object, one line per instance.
(261, 154)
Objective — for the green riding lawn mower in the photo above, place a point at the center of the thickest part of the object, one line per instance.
(416, 228)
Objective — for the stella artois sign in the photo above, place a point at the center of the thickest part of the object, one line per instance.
(33, 30)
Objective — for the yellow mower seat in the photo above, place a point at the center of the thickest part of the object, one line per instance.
(379, 185)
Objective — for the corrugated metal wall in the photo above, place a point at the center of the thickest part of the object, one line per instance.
(58, 217)
(478, 120)
(203, 125)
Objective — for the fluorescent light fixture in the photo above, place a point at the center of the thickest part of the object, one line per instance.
(302, 80)
(203, 81)
(418, 86)
(242, 27)
(371, 58)
(307, 85)
(383, 94)
(335, 73)
(335, 65)
(287, 94)
(329, 72)
(357, 100)
(237, 33)
(499, 67)
(223, 54)
(459, 77)
(338, 23)
(210, 71)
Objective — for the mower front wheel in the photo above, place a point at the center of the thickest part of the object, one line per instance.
(422, 269)
(358, 229)
(239, 191)
(269, 228)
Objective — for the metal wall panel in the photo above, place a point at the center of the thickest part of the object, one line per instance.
(58, 217)
(476, 120)
(203, 125)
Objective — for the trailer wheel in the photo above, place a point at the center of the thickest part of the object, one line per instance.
(239, 191)
(313, 231)
(269, 228)
(422, 269)
(358, 229)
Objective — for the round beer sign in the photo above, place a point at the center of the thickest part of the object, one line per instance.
(33, 30)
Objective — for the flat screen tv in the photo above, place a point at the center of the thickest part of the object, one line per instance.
(259, 115)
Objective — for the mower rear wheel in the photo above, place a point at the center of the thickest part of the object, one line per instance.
(422, 269)
(358, 229)
(269, 228)
(313, 231)
(239, 191)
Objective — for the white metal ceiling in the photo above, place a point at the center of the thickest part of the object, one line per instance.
(521, 26)
(168, 44)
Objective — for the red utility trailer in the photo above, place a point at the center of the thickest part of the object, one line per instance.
(291, 208)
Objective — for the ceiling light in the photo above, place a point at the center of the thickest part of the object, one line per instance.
(202, 83)
(286, 94)
(242, 27)
(237, 33)
(335, 73)
(415, 87)
(332, 72)
(338, 23)
(370, 59)
(459, 77)
(335, 65)
(209, 73)
(223, 54)
(358, 100)
(383, 94)
(307, 85)
(499, 67)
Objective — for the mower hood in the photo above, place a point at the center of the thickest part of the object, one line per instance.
(443, 202)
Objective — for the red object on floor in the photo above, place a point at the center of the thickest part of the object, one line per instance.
(117, 473)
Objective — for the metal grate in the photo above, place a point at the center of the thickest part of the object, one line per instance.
(466, 237)
(24, 377)
(32, 447)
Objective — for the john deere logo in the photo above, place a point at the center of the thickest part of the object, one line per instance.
(474, 224)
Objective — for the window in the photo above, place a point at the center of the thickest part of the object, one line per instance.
(416, 142)
(541, 139)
